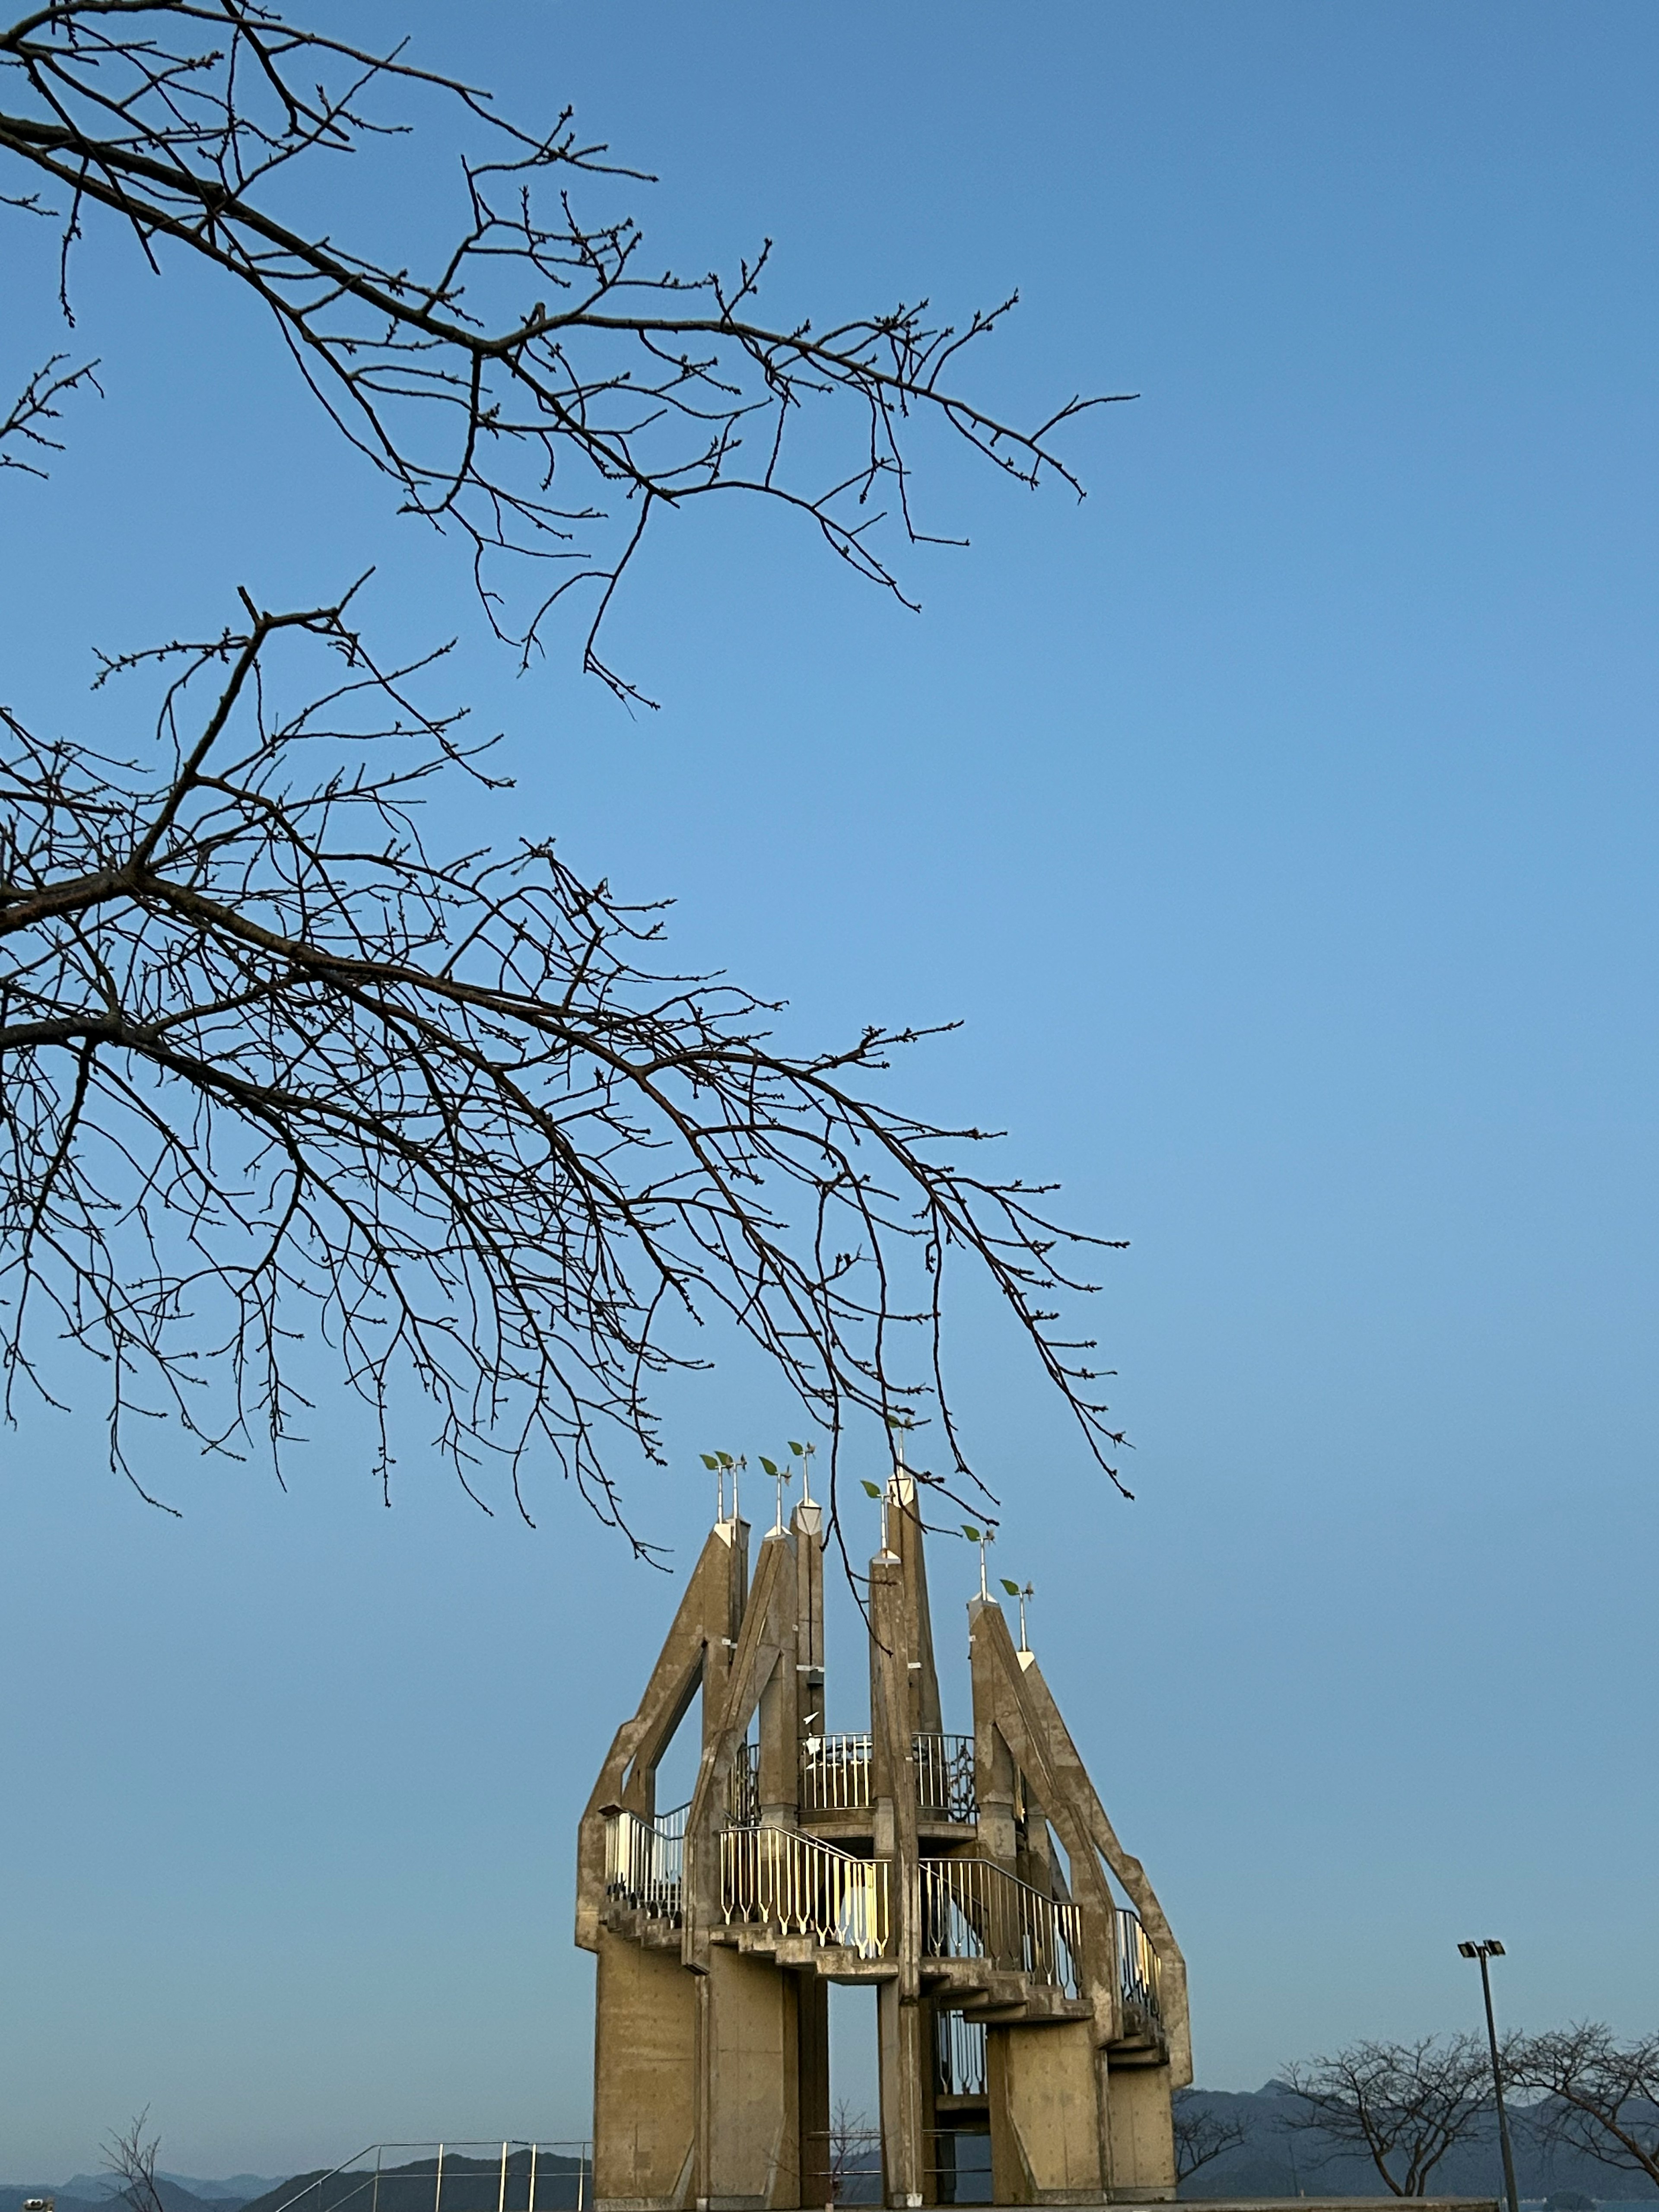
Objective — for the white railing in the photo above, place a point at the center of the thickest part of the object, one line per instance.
(454, 2177)
(958, 2055)
(836, 1774)
(1137, 1964)
(803, 1888)
(975, 1909)
(645, 1860)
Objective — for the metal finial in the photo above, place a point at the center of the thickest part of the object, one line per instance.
(781, 1473)
(1027, 1592)
(981, 1537)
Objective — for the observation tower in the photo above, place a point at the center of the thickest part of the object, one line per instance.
(1028, 1986)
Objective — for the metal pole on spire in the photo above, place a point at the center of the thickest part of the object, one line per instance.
(1027, 1592)
(804, 1454)
(981, 1537)
(780, 1474)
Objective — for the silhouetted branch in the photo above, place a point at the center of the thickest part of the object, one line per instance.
(534, 385)
(271, 1068)
(1597, 2094)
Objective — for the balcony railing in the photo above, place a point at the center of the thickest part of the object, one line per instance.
(1137, 1964)
(975, 1909)
(944, 1776)
(645, 1860)
(800, 1887)
(836, 1774)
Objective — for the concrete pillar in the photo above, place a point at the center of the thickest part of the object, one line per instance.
(749, 2019)
(1143, 2162)
(1046, 2145)
(899, 2024)
(645, 2078)
(812, 2012)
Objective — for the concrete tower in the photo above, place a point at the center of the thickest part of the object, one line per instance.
(971, 1879)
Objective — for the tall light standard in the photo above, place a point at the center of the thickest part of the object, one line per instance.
(1492, 1948)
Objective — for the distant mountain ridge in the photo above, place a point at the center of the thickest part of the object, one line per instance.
(96, 2192)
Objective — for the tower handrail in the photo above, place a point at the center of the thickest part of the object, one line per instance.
(645, 1860)
(973, 1908)
(835, 1772)
(1137, 1964)
(805, 1887)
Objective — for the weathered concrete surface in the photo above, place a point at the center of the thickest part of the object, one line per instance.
(1046, 2145)
(645, 2077)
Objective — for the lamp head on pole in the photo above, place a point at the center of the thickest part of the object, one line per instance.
(1492, 1948)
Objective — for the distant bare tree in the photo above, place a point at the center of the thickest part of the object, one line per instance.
(1597, 2094)
(1202, 2134)
(854, 2150)
(1404, 2104)
(131, 2159)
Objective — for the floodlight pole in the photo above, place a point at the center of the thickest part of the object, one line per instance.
(1492, 1949)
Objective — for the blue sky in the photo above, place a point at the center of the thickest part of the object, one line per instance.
(1280, 823)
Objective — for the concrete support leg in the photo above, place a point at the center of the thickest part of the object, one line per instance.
(749, 2062)
(812, 2010)
(898, 2035)
(1143, 2134)
(644, 2078)
(1046, 2145)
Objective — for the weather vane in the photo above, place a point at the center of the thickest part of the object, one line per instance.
(720, 1465)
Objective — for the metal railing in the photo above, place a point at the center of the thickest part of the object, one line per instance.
(454, 2177)
(944, 1776)
(958, 2055)
(975, 1909)
(743, 1791)
(836, 1774)
(1137, 1964)
(645, 1860)
(803, 1888)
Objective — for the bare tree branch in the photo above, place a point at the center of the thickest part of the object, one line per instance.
(536, 386)
(273, 1069)
(24, 434)
(1404, 2104)
(1202, 2134)
(132, 2161)
(1597, 2094)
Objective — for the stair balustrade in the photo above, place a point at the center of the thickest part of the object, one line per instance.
(645, 1860)
(975, 1909)
(784, 1879)
(1137, 1964)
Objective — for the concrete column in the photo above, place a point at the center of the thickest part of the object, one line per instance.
(751, 2071)
(1046, 2145)
(645, 2078)
(1143, 2162)
(899, 2023)
(812, 2011)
